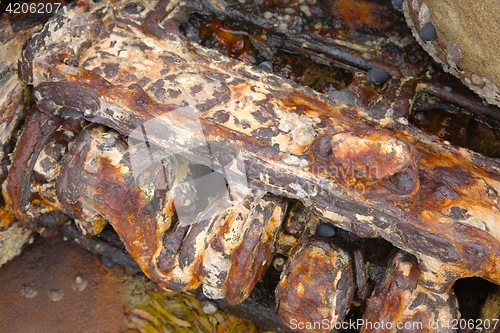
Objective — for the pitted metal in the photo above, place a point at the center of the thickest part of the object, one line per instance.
(350, 157)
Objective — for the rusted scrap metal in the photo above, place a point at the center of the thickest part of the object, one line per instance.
(400, 304)
(15, 98)
(226, 254)
(15, 95)
(113, 253)
(35, 166)
(133, 72)
(316, 288)
(363, 290)
(422, 195)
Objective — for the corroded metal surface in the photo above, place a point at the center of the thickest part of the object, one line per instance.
(174, 255)
(403, 305)
(162, 107)
(15, 99)
(15, 96)
(288, 145)
(316, 286)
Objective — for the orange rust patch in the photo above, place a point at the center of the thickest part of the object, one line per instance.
(6, 217)
(236, 44)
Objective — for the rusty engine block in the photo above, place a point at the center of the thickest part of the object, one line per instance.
(130, 113)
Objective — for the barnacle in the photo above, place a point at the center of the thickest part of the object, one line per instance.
(461, 35)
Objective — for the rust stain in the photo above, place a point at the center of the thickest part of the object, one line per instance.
(360, 13)
(229, 41)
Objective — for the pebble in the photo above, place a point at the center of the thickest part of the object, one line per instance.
(325, 230)
(106, 261)
(283, 27)
(305, 9)
(428, 33)
(397, 4)
(266, 66)
(210, 307)
(377, 75)
(192, 35)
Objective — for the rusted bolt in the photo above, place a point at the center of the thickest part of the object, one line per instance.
(373, 161)
(322, 146)
(325, 230)
(377, 75)
(370, 155)
(403, 181)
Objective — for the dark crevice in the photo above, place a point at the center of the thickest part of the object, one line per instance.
(456, 124)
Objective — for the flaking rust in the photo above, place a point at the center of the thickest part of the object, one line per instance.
(14, 104)
(400, 299)
(317, 286)
(374, 178)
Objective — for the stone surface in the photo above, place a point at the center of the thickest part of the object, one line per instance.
(467, 40)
